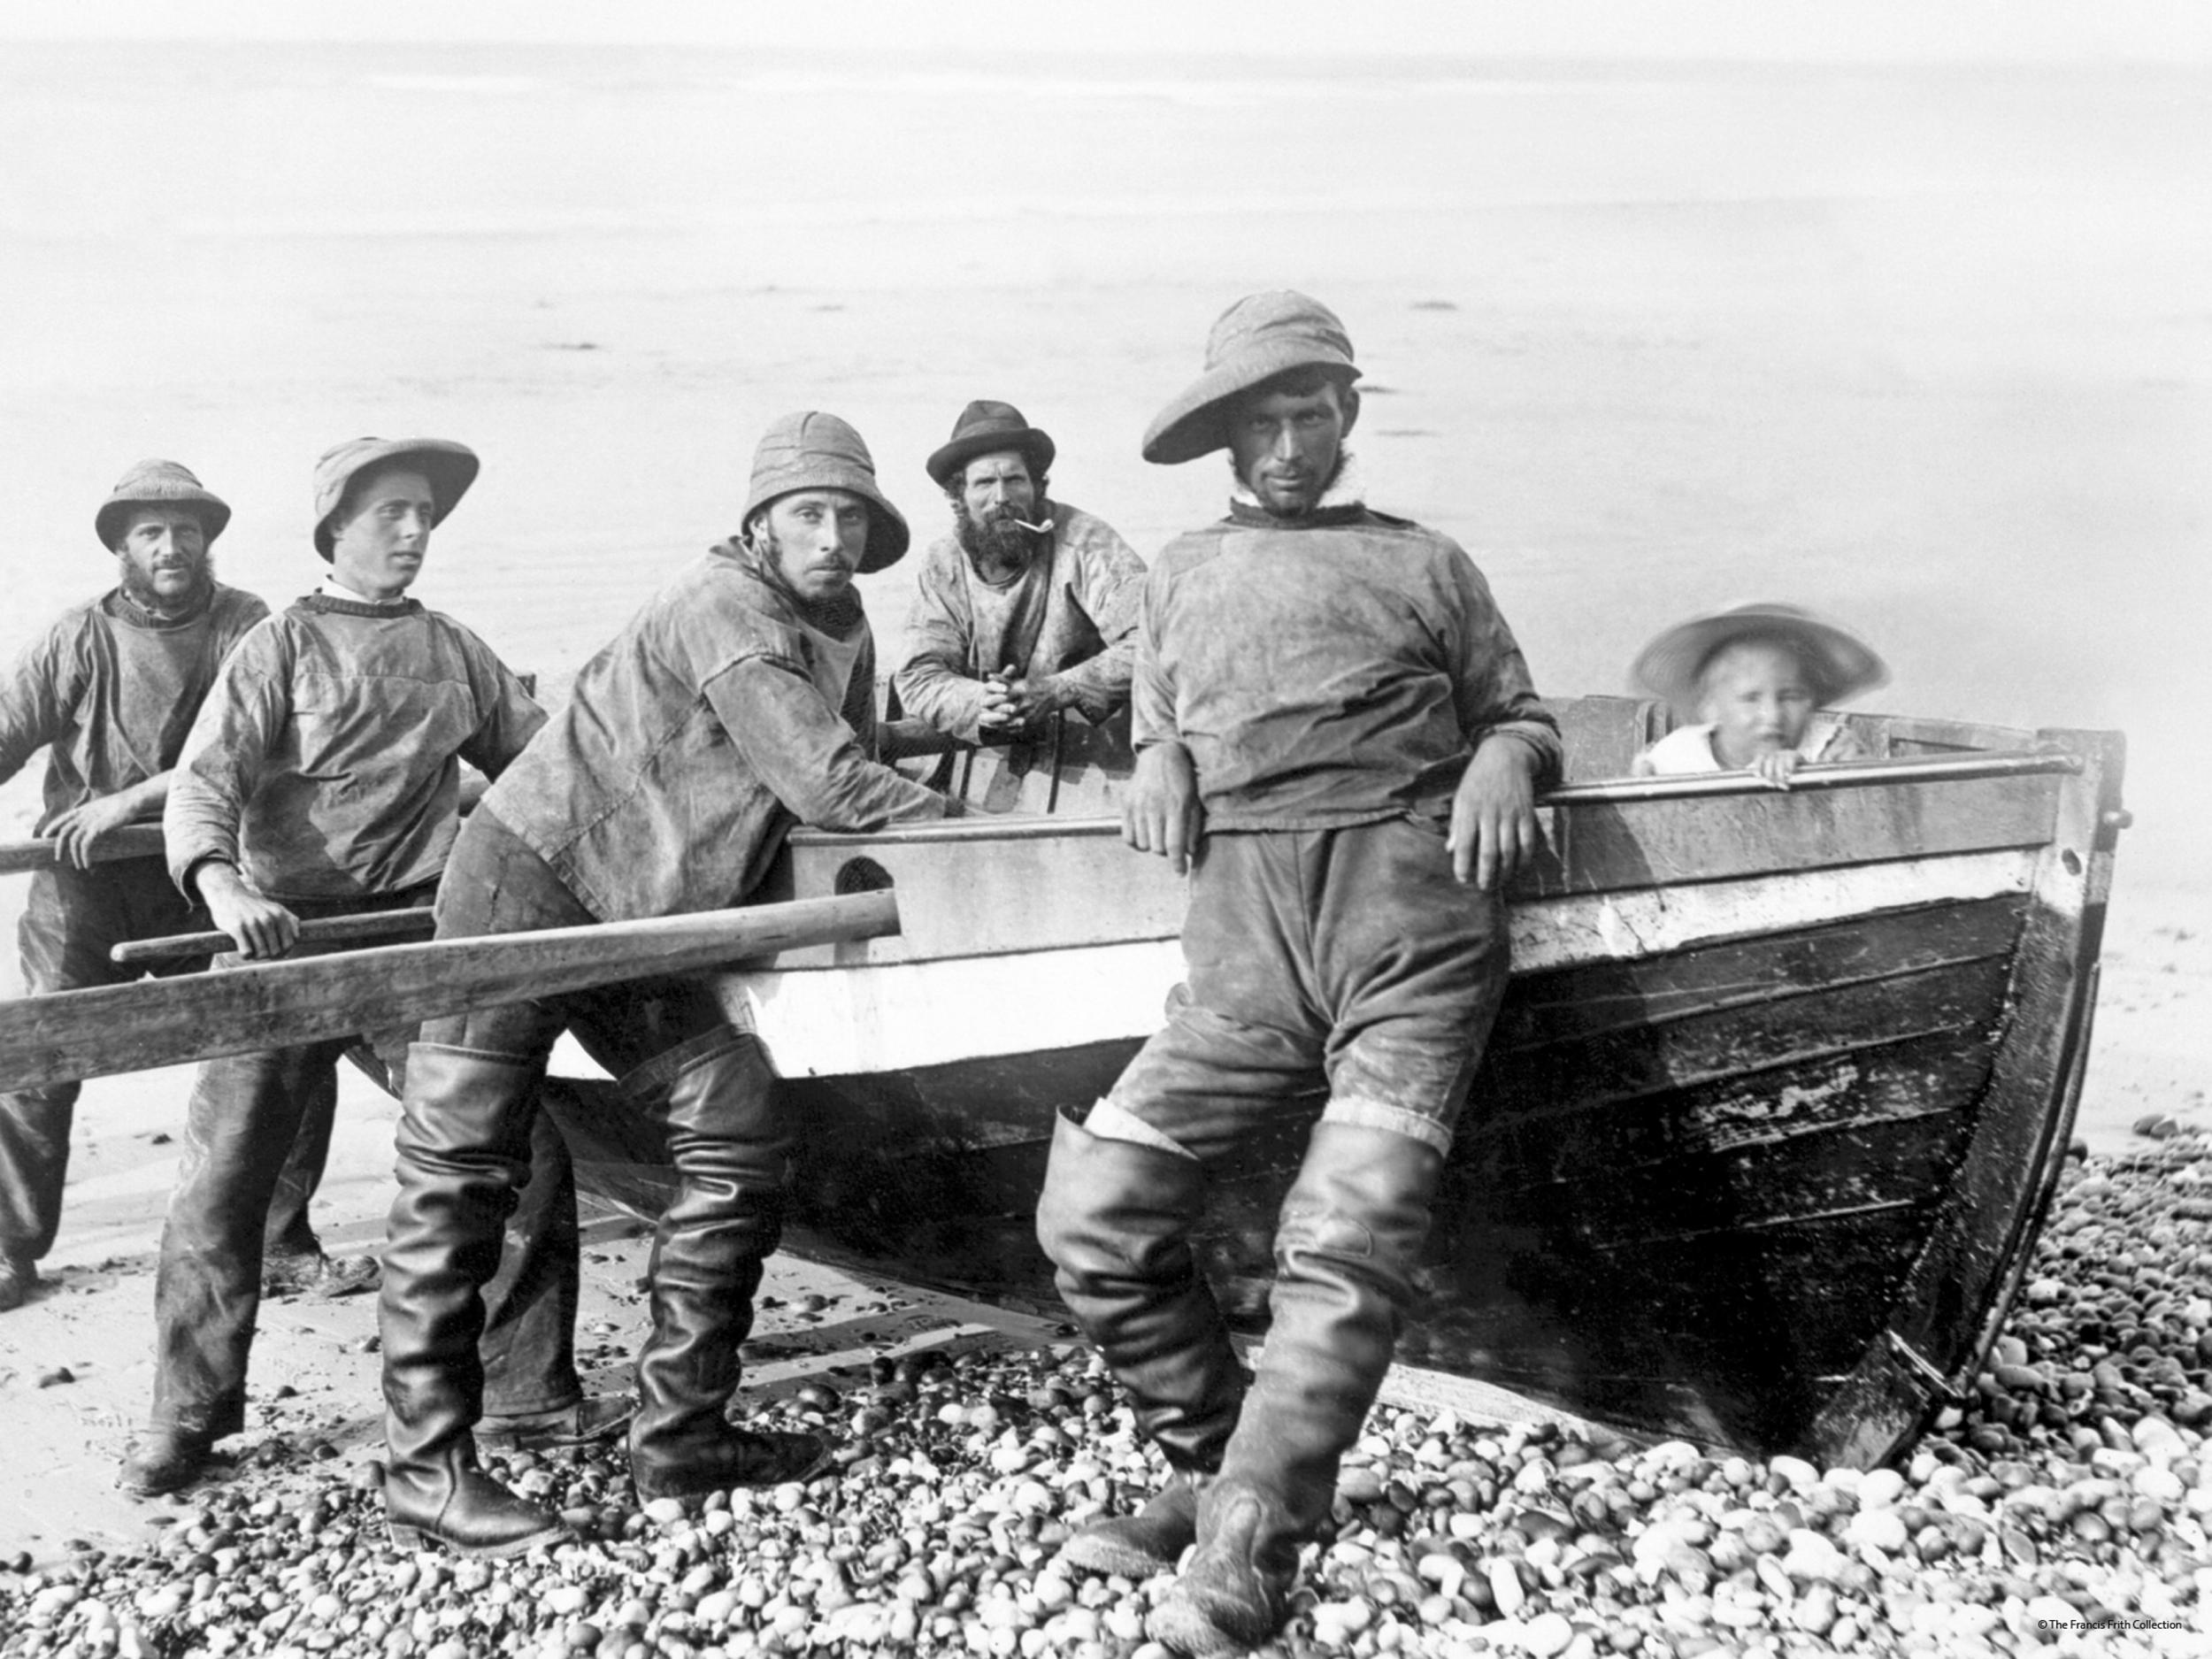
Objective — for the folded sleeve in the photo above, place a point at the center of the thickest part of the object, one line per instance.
(1110, 588)
(933, 683)
(1496, 696)
(509, 716)
(36, 697)
(805, 751)
(1151, 689)
(237, 728)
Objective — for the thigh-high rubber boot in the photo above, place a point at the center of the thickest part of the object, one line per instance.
(463, 1150)
(1115, 1218)
(725, 1221)
(1351, 1234)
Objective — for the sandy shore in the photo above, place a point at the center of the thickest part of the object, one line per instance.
(314, 1366)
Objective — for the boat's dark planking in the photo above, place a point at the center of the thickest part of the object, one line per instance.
(1772, 1111)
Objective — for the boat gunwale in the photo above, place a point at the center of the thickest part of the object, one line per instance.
(1904, 769)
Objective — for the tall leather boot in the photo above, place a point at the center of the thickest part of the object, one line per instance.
(725, 1220)
(463, 1155)
(1115, 1218)
(1351, 1234)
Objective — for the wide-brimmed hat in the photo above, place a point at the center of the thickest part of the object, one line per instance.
(449, 467)
(156, 483)
(985, 427)
(1259, 337)
(812, 451)
(1842, 663)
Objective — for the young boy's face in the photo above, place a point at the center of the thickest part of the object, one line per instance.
(1758, 698)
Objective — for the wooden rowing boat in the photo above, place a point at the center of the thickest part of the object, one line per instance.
(1772, 1114)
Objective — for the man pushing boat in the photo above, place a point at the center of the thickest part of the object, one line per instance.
(1337, 732)
(739, 701)
(1029, 607)
(109, 689)
(322, 776)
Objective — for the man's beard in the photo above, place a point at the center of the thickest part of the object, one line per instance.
(997, 544)
(139, 590)
(837, 614)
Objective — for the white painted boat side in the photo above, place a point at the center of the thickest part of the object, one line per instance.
(900, 1016)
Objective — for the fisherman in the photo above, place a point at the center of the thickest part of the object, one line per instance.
(1337, 733)
(739, 701)
(1029, 607)
(322, 776)
(109, 689)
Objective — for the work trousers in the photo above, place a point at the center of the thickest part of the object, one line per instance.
(71, 920)
(1346, 955)
(245, 1110)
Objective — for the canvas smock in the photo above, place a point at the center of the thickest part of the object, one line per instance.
(1071, 612)
(326, 761)
(717, 718)
(1334, 670)
(110, 690)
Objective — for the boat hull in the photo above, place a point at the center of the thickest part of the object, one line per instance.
(1774, 1105)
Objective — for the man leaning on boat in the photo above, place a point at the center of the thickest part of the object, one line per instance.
(1337, 732)
(739, 701)
(109, 689)
(322, 778)
(1029, 607)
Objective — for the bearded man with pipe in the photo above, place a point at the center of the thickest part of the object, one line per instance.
(1029, 607)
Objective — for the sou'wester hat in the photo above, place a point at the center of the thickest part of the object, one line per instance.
(1259, 337)
(985, 427)
(449, 467)
(155, 483)
(812, 451)
(1842, 663)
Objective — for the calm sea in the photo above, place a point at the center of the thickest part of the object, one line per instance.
(1928, 350)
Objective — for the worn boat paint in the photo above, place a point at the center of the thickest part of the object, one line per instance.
(1775, 1106)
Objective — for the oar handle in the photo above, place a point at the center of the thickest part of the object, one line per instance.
(132, 840)
(327, 930)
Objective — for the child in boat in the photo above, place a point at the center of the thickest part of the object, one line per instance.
(1755, 681)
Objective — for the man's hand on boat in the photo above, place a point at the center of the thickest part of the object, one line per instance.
(1161, 813)
(261, 927)
(1494, 828)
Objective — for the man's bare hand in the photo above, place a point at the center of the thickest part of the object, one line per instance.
(78, 831)
(1493, 831)
(1011, 700)
(262, 928)
(1161, 813)
(1774, 766)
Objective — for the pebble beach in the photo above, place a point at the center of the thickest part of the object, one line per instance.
(2062, 1507)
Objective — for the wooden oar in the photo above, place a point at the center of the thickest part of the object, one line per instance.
(272, 1005)
(132, 840)
(327, 930)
